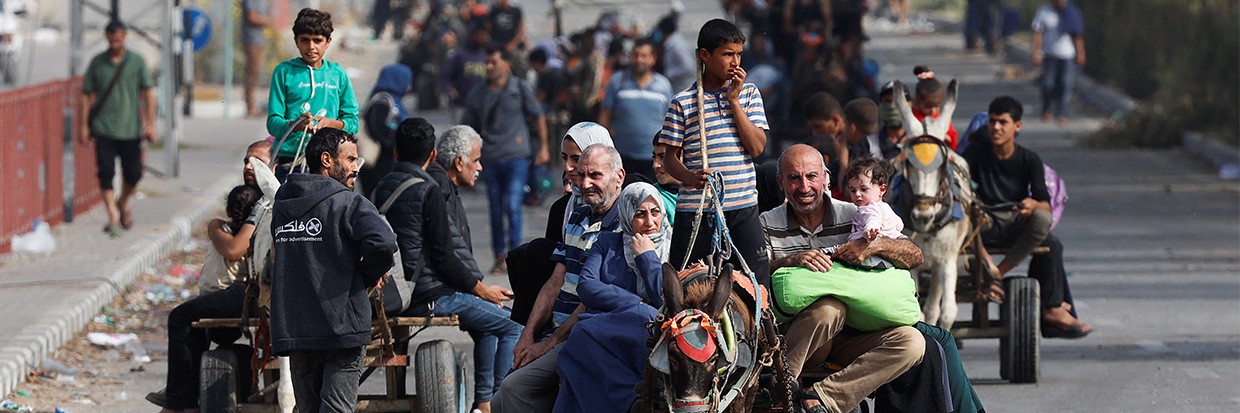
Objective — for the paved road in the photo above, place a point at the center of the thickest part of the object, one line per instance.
(1152, 238)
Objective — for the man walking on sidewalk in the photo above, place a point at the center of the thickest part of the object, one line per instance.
(331, 245)
(118, 113)
(633, 108)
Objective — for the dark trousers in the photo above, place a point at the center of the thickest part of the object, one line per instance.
(1058, 81)
(108, 149)
(1046, 268)
(746, 234)
(186, 343)
(326, 380)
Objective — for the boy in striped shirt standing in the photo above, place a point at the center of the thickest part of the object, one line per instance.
(735, 133)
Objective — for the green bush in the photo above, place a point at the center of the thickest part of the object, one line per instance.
(1180, 58)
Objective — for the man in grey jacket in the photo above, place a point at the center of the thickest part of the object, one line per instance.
(330, 246)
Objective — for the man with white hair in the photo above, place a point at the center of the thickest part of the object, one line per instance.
(458, 163)
(532, 385)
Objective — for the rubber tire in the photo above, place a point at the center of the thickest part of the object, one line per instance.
(436, 377)
(465, 378)
(1021, 313)
(217, 381)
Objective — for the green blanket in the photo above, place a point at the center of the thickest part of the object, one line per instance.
(874, 299)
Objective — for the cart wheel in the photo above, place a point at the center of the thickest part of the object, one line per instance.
(217, 383)
(465, 378)
(437, 378)
(1019, 351)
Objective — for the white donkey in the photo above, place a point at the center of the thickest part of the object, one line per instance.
(935, 203)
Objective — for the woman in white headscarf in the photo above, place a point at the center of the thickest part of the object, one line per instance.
(621, 287)
(577, 139)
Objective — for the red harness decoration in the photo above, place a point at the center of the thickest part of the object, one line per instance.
(694, 333)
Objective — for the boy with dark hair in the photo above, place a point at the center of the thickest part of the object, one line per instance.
(713, 130)
(330, 247)
(1011, 184)
(309, 93)
(861, 131)
(434, 254)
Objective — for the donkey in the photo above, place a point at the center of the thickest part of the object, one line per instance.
(708, 364)
(935, 203)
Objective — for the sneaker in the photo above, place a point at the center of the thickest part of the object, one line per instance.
(158, 398)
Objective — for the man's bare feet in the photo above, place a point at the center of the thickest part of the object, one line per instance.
(1058, 322)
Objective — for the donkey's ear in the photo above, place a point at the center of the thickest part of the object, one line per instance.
(673, 292)
(949, 102)
(723, 292)
(912, 126)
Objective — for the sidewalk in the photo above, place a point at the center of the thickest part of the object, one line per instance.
(47, 298)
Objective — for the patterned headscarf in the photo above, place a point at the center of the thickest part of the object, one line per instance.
(631, 198)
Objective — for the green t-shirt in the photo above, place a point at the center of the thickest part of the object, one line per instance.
(119, 114)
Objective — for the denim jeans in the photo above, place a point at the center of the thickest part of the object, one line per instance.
(505, 188)
(1058, 77)
(494, 333)
(326, 380)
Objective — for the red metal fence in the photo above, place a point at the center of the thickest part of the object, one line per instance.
(32, 158)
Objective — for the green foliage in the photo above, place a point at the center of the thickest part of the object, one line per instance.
(1179, 57)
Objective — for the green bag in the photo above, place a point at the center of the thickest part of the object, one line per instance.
(875, 299)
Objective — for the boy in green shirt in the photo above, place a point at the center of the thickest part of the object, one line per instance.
(309, 93)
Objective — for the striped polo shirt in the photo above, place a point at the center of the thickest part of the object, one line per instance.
(785, 236)
(579, 235)
(727, 155)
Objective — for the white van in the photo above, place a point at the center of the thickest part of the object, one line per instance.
(12, 12)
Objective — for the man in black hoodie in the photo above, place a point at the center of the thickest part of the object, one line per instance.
(330, 246)
(433, 250)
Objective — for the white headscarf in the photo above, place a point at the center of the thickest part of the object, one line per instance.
(631, 198)
(584, 134)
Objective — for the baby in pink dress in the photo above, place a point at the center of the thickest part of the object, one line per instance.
(867, 183)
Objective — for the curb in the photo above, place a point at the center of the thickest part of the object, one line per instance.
(35, 342)
(1110, 99)
(1096, 94)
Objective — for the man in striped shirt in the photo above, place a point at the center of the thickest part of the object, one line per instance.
(735, 133)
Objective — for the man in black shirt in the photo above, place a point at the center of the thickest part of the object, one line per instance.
(1011, 184)
(507, 26)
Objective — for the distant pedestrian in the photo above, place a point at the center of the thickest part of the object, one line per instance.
(501, 110)
(394, 11)
(507, 26)
(330, 246)
(467, 65)
(1059, 47)
(308, 92)
(633, 109)
(253, 39)
(381, 115)
(118, 113)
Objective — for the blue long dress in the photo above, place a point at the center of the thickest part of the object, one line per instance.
(605, 355)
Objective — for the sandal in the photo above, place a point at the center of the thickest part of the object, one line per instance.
(810, 394)
(127, 220)
(991, 289)
(1076, 330)
(112, 231)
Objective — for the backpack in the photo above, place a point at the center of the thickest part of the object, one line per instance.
(381, 116)
(398, 286)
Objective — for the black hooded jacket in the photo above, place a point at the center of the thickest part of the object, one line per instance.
(330, 245)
